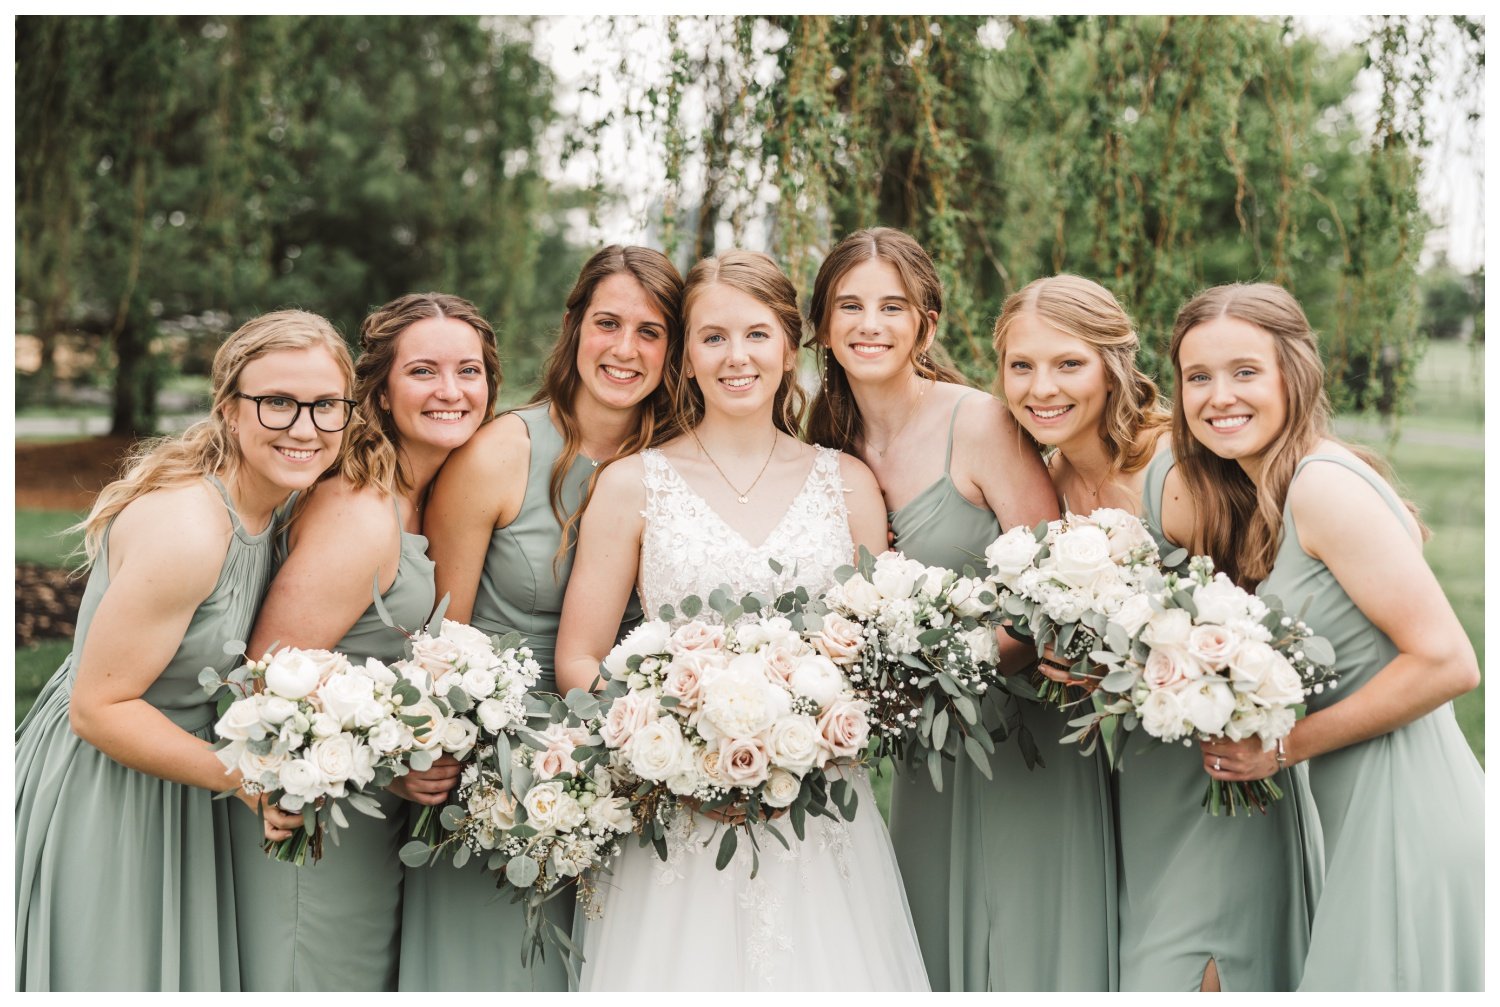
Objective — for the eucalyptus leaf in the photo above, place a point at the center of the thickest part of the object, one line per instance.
(521, 871)
(1318, 650)
(452, 816)
(726, 849)
(435, 624)
(691, 606)
(415, 854)
(940, 726)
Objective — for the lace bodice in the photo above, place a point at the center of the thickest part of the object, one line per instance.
(688, 549)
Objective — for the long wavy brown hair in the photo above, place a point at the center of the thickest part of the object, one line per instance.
(208, 447)
(374, 448)
(1239, 524)
(834, 420)
(1134, 416)
(561, 381)
(756, 274)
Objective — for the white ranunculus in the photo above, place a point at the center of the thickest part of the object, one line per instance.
(658, 750)
(1133, 614)
(1011, 554)
(242, 721)
(795, 743)
(1163, 715)
(1169, 628)
(324, 725)
(343, 694)
(781, 789)
(388, 736)
(1208, 702)
(1080, 556)
(292, 674)
(494, 715)
(817, 678)
(301, 779)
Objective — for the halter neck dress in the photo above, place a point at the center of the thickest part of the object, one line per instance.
(1403, 813)
(122, 879)
(1012, 880)
(335, 925)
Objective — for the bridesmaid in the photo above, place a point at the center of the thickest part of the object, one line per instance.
(122, 880)
(427, 377)
(988, 917)
(1067, 363)
(1315, 522)
(502, 524)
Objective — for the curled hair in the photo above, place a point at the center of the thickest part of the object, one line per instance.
(755, 274)
(1239, 524)
(374, 455)
(207, 447)
(1134, 417)
(561, 381)
(834, 420)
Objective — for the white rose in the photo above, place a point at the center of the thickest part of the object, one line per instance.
(457, 735)
(658, 750)
(479, 683)
(1207, 703)
(1220, 601)
(1282, 687)
(544, 806)
(1080, 556)
(1163, 715)
(466, 636)
(1213, 645)
(794, 743)
(494, 715)
(610, 814)
(262, 769)
(845, 727)
(744, 761)
(342, 695)
(1011, 554)
(696, 636)
(1133, 614)
(1126, 533)
(324, 725)
(333, 757)
(840, 640)
(781, 789)
(427, 737)
(1167, 667)
(1169, 628)
(292, 674)
(817, 678)
(684, 682)
(242, 721)
(437, 657)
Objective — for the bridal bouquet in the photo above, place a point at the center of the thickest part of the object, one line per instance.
(918, 645)
(473, 688)
(313, 732)
(1061, 583)
(538, 808)
(739, 715)
(1210, 659)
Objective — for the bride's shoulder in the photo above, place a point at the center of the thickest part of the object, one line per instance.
(853, 473)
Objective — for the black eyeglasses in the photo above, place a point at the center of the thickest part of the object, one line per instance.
(278, 412)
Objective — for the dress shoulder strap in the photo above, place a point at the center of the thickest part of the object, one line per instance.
(234, 516)
(953, 425)
(1381, 486)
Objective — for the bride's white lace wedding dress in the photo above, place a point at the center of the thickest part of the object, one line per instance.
(828, 914)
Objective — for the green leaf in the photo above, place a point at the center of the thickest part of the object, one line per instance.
(939, 727)
(977, 756)
(521, 871)
(691, 606)
(726, 849)
(750, 603)
(1175, 558)
(209, 681)
(435, 624)
(667, 613)
(935, 768)
(415, 854)
(458, 700)
(1318, 650)
(799, 820)
(1118, 680)
(1183, 599)
(234, 647)
(460, 855)
(776, 567)
(452, 816)
(931, 637)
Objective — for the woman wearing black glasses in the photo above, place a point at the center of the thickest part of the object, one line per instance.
(121, 881)
(427, 377)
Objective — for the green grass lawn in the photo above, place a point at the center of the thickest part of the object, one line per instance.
(41, 537)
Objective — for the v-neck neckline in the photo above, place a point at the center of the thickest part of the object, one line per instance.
(796, 499)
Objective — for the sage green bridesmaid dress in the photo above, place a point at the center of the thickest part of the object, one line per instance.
(335, 924)
(459, 932)
(1011, 881)
(1193, 887)
(121, 878)
(1403, 814)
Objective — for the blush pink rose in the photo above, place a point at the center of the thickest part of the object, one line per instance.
(845, 727)
(744, 762)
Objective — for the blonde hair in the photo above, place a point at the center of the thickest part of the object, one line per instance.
(373, 456)
(207, 447)
(834, 420)
(1134, 417)
(1239, 524)
(756, 274)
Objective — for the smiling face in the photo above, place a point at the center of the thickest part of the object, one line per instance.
(437, 389)
(874, 330)
(622, 343)
(1233, 396)
(1055, 384)
(736, 349)
(293, 458)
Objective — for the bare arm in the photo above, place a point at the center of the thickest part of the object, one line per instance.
(1373, 554)
(862, 496)
(604, 571)
(479, 489)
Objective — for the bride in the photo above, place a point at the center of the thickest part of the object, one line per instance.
(732, 491)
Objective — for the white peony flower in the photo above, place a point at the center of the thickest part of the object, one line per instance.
(1163, 715)
(1207, 703)
(982, 644)
(466, 636)
(739, 701)
(1011, 554)
(292, 674)
(817, 678)
(242, 721)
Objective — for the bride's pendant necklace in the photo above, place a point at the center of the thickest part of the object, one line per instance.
(744, 497)
(904, 423)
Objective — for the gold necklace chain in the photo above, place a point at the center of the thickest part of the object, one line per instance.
(744, 497)
(904, 423)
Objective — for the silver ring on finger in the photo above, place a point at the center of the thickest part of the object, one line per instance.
(1216, 763)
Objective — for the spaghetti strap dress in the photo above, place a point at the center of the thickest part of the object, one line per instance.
(1011, 881)
(1403, 813)
(335, 925)
(1239, 891)
(459, 931)
(122, 879)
